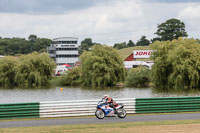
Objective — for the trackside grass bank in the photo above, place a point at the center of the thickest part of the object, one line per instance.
(183, 126)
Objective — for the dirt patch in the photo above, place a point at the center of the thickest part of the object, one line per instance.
(182, 128)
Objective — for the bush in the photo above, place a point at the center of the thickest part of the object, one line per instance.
(71, 77)
(7, 71)
(138, 77)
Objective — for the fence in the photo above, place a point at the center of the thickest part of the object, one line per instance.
(88, 107)
(19, 110)
(78, 107)
(171, 104)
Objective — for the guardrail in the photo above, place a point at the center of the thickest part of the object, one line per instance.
(19, 110)
(88, 107)
(170, 104)
(78, 107)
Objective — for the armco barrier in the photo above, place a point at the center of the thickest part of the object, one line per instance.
(78, 107)
(171, 104)
(19, 110)
(88, 107)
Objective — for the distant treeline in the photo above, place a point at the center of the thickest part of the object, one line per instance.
(14, 46)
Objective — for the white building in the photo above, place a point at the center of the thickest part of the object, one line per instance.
(64, 50)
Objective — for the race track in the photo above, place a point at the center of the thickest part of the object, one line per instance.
(94, 120)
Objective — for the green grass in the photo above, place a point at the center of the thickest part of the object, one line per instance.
(96, 128)
(125, 52)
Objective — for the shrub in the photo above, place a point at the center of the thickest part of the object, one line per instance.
(71, 77)
(7, 71)
(138, 77)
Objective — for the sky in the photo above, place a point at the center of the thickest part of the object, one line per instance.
(105, 21)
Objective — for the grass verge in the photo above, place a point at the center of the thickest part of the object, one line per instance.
(135, 127)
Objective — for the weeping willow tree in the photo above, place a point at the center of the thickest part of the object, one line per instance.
(177, 64)
(7, 71)
(34, 70)
(102, 66)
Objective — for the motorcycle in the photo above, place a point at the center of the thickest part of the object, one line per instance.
(104, 110)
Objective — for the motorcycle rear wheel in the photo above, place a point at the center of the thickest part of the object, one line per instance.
(121, 113)
(99, 114)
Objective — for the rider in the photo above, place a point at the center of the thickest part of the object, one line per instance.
(110, 101)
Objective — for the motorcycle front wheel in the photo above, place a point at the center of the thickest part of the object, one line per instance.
(121, 113)
(99, 114)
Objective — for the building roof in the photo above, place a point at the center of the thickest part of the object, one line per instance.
(65, 38)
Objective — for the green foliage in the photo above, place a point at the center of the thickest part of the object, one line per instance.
(120, 45)
(30, 70)
(143, 41)
(130, 43)
(102, 66)
(138, 77)
(71, 77)
(177, 64)
(85, 45)
(171, 29)
(32, 38)
(34, 70)
(14, 46)
(7, 71)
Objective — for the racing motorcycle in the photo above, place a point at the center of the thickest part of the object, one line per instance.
(104, 110)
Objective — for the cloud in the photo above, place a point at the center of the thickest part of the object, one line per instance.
(172, 1)
(108, 22)
(45, 6)
(190, 16)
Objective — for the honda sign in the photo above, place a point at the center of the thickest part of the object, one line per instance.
(142, 53)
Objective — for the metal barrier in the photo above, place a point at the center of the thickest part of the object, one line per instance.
(19, 110)
(170, 104)
(78, 107)
(88, 107)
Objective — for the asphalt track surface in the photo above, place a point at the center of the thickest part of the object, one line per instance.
(94, 120)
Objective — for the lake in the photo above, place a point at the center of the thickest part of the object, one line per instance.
(78, 93)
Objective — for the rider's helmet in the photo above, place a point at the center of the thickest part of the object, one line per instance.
(106, 96)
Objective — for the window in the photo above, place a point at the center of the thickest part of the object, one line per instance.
(66, 49)
(67, 56)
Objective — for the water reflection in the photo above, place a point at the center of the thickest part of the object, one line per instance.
(79, 93)
(175, 92)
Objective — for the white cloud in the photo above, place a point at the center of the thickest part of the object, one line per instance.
(191, 18)
(111, 22)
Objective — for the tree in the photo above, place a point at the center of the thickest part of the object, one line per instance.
(176, 64)
(130, 43)
(13, 46)
(102, 66)
(41, 44)
(7, 71)
(143, 41)
(171, 29)
(34, 70)
(85, 45)
(120, 45)
(32, 38)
